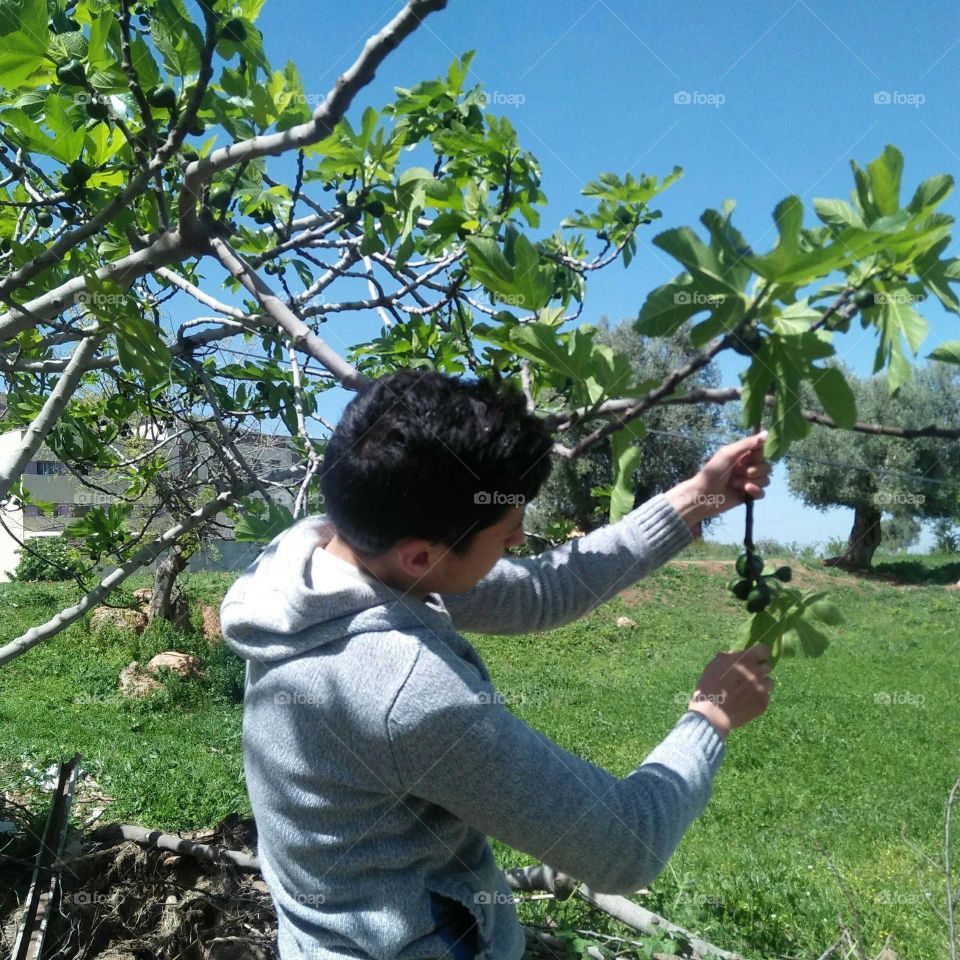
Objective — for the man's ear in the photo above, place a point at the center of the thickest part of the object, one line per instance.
(415, 557)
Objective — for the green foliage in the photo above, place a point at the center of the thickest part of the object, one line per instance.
(48, 558)
(260, 520)
(673, 441)
(181, 766)
(890, 258)
(226, 673)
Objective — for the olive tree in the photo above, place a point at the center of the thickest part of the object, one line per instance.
(879, 475)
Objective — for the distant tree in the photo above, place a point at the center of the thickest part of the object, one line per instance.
(900, 531)
(906, 480)
(676, 443)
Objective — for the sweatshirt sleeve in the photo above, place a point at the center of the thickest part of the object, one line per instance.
(455, 744)
(539, 593)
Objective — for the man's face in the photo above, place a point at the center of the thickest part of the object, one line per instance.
(450, 572)
(486, 548)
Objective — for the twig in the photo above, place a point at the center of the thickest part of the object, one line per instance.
(170, 841)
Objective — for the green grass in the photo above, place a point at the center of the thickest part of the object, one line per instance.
(172, 761)
(832, 794)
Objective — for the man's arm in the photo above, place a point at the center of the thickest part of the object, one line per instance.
(456, 745)
(525, 595)
(539, 593)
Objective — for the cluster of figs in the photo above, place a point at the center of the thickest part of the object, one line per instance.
(752, 584)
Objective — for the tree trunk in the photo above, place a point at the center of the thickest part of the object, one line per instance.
(863, 541)
(164, 603)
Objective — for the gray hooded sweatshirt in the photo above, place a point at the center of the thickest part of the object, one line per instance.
(379, 757)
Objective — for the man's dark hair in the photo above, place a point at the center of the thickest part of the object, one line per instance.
(420, 454)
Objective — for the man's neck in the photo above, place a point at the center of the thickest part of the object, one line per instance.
(374, 568)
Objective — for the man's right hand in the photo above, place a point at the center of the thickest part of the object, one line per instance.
(735, 688)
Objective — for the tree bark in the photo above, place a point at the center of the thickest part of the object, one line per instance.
(164, 603)
(863, 540)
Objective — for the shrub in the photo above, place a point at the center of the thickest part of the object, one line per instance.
(226, 673)
(47, 558)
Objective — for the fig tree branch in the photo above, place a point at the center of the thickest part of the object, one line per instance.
(12, 468)
(302, 336)
(324, 118)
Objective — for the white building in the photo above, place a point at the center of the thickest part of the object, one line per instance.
(46, 479)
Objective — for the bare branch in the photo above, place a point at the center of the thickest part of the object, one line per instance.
(566, 419)
(167, 248)
(302, 336)
(12, 469)
(199, 295)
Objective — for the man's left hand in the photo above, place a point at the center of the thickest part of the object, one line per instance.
(732, 474)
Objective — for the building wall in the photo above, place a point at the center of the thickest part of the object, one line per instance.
(46, 481)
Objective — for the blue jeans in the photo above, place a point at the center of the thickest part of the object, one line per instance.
(455, 927)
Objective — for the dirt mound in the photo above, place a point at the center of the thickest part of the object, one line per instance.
(124, 901)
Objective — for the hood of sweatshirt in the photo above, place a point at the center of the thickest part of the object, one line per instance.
(296, 596)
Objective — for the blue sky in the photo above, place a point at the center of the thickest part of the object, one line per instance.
(782, 95)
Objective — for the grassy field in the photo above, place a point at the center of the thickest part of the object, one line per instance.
(829, 805)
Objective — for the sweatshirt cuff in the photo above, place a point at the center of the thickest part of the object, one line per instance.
(701, 734)
(661, 528)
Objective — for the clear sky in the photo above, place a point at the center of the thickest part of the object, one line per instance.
(781, 96)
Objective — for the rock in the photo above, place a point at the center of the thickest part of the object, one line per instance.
(135, 682)
(120, 618)
(626, 622)
(182, 664)
(143, 596)
(211, 624)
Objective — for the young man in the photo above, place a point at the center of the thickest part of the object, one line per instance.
(378, 755)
